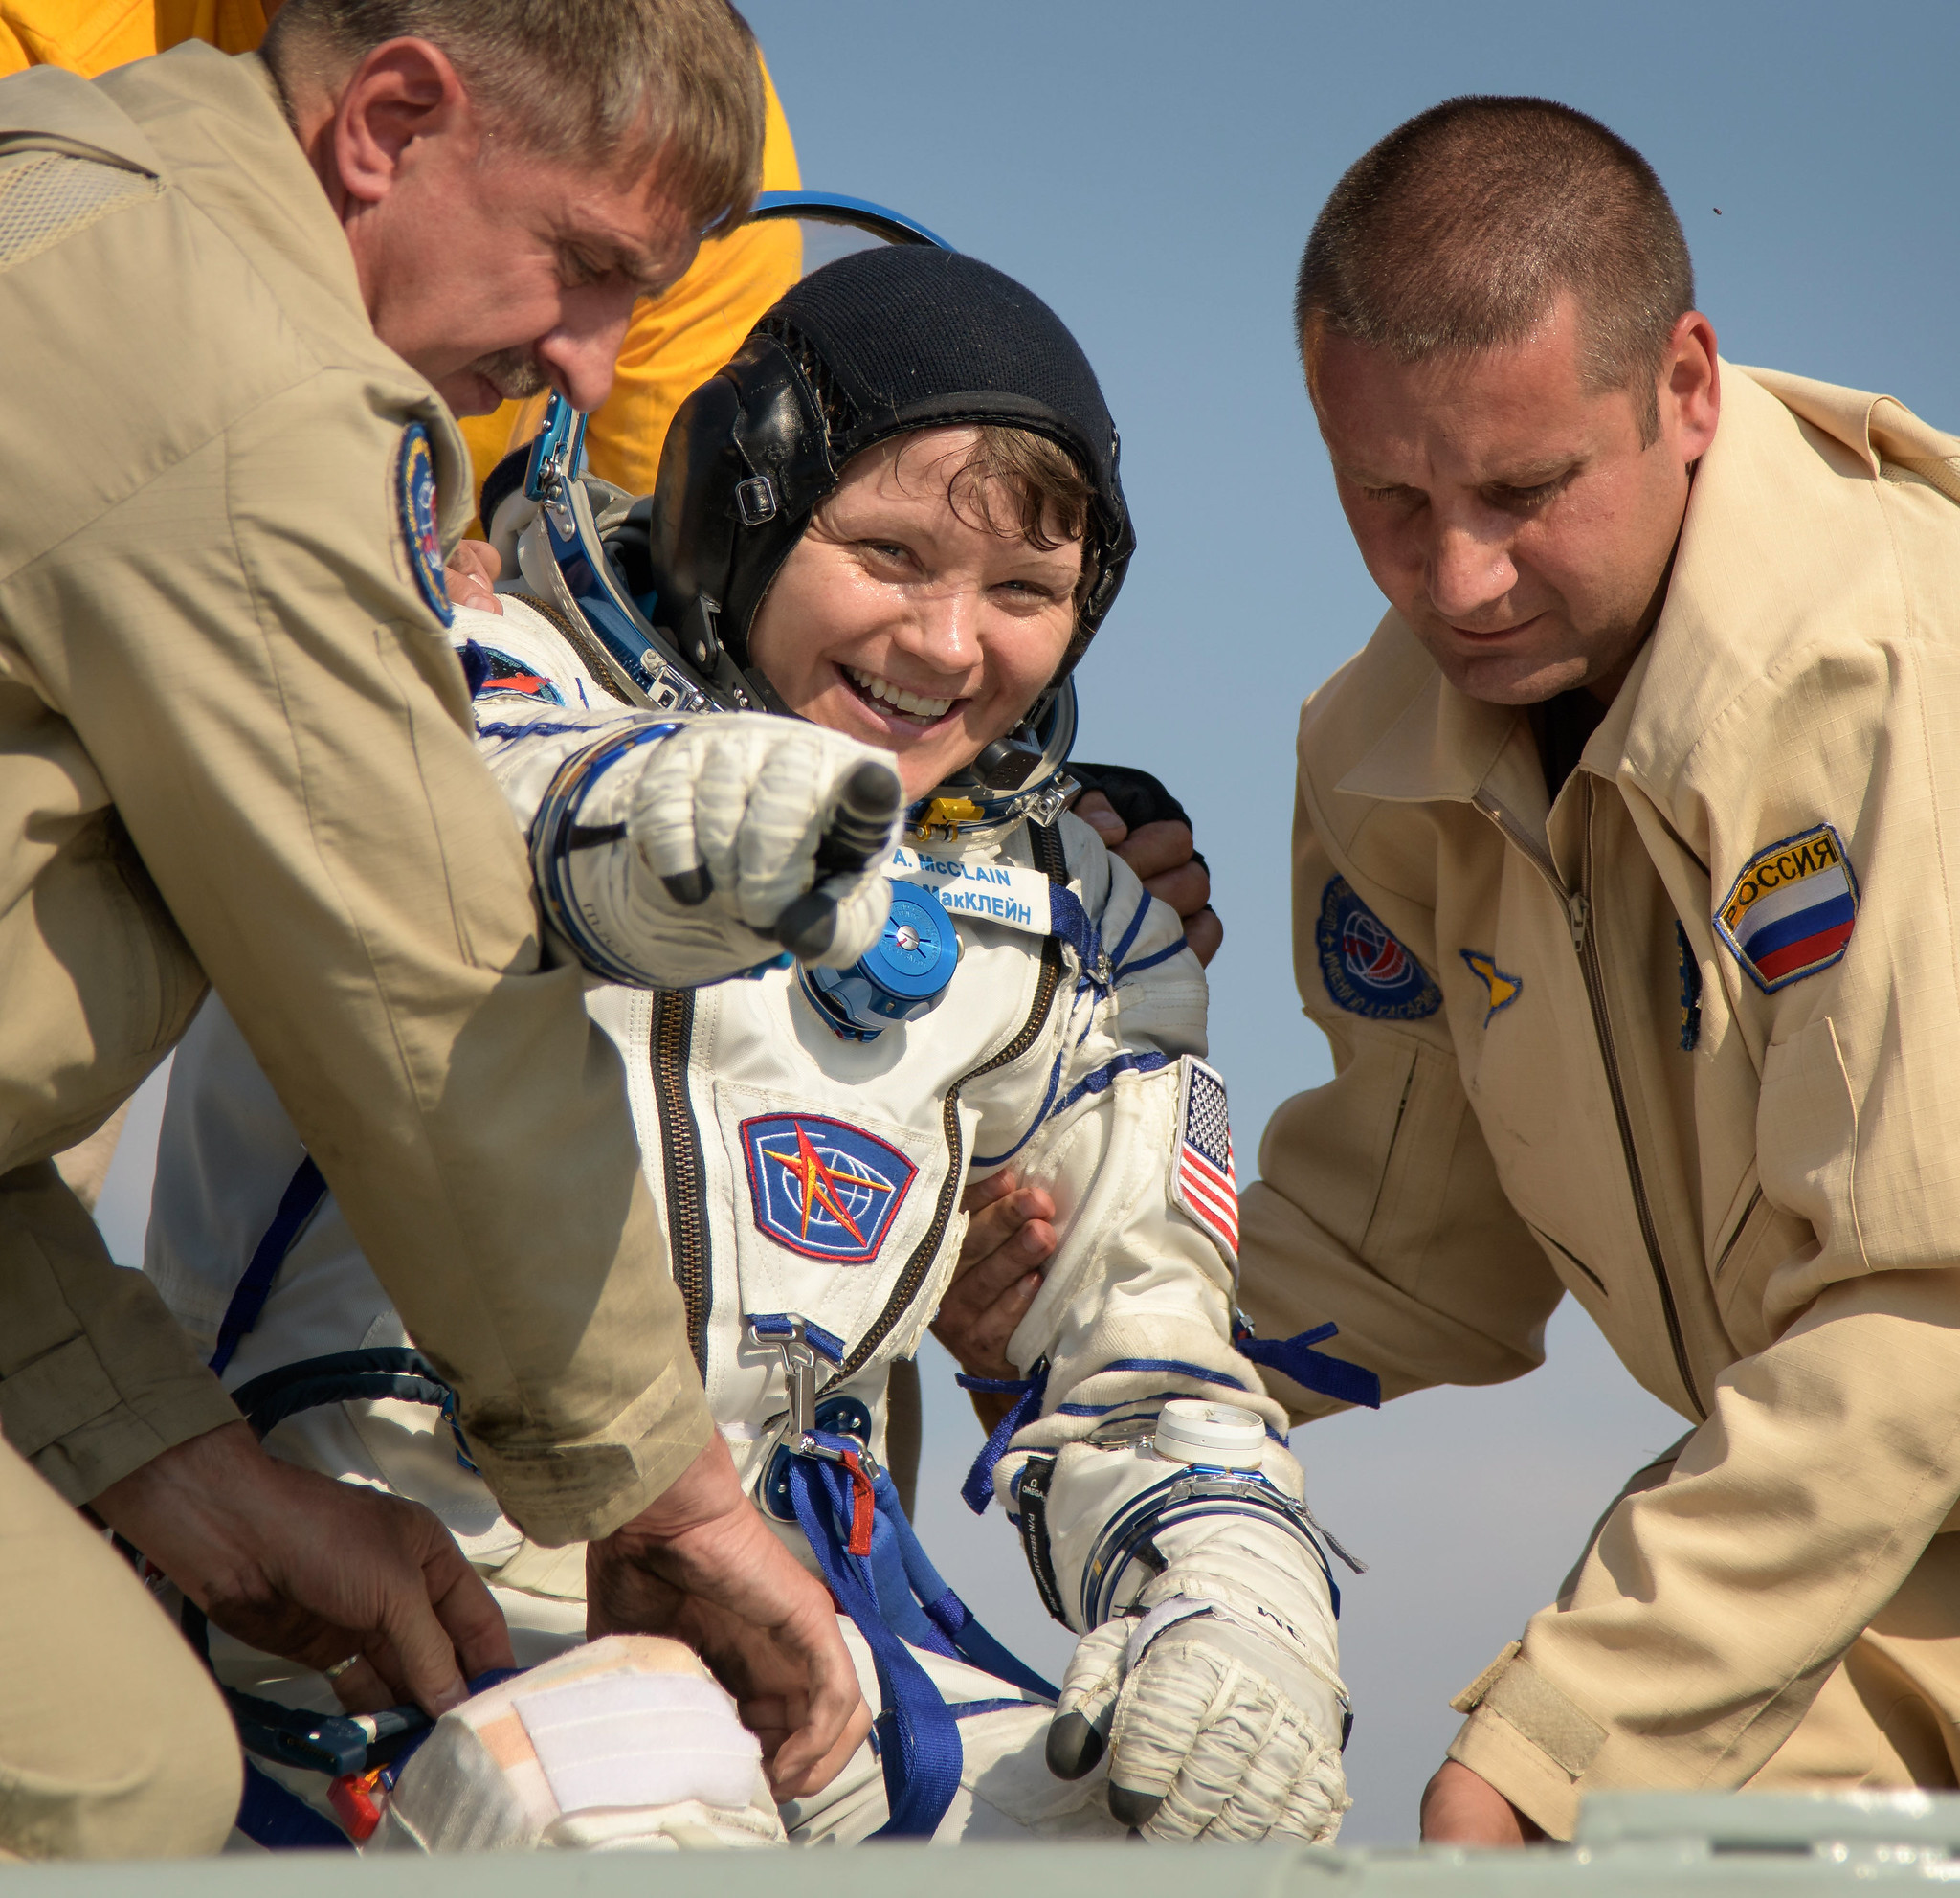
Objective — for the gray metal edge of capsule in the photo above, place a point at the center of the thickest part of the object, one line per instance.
(1627, 1842)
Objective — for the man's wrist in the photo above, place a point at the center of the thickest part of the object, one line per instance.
(184, 1508)
(707, 1490)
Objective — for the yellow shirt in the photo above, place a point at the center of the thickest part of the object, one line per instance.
(89, 37)
(675, 342)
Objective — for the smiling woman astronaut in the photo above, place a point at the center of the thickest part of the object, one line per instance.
(895, 514)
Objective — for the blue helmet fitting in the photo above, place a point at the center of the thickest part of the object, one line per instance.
(900, 977)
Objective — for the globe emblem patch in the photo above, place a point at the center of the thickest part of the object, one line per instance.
(1370, 953)
(1366, 969)
(822, 1187)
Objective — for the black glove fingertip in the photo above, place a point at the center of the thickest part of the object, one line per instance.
(1074, 1746)
(690, 889)
(1131, 1808)
(807, 926)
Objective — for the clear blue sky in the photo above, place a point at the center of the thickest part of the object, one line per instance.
(1151, 170)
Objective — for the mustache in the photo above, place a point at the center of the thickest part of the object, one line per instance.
(516, 375)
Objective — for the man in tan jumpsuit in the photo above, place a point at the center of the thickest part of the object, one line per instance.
(235, 745)
(1625, 883)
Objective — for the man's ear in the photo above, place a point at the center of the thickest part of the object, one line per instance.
(401, 91)
(1691, 385)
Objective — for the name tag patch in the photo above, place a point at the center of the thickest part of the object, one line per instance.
(1791, 912)
(822, 1187)
(994, 892)
(1367, 971)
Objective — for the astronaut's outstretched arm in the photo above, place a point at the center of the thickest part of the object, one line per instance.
(669, 851)
(1209, 1667)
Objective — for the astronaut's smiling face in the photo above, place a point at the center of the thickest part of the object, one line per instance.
(906, 618)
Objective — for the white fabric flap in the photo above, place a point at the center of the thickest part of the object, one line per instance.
(632, 1739)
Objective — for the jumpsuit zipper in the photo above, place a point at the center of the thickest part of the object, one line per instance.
(687, 1215)
(1049, 859)
(1578, 908)
(688, 1211)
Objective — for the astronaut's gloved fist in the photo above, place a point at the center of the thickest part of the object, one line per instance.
(755, 833)
(1219, 1701)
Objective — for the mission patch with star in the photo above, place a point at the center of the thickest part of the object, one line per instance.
(822, 1187)
(415, 480)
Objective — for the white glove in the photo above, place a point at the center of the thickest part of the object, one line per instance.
(669, 859)
(691, 855)
(1221, 1702)
(728, 817)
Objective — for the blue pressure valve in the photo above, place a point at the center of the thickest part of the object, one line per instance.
(901, 977)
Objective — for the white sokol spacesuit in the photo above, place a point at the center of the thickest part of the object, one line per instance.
(808, 1166)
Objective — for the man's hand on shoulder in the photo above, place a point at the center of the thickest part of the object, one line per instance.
(1141, 822)
(1461, 1807)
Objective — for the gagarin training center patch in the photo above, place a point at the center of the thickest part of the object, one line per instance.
(1792, 911)
(1367, 971)
(415, 480)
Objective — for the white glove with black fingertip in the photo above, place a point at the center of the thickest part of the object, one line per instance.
(754, 833)
(672, 853)
(1219, 1696)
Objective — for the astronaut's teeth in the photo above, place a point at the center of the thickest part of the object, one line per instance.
(898, 698)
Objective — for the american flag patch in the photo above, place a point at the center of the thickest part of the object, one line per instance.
(1202, 1179)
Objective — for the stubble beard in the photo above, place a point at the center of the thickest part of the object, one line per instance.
(516, 375)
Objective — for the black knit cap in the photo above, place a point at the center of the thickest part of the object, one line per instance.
(873, 345)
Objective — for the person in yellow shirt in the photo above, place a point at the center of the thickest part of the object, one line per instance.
(676, 342)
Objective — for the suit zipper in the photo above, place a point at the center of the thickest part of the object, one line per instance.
(1050, 858)
(1578, 908)
(688, 1211)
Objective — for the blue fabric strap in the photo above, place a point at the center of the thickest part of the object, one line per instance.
(303, 1196)
(896, 1597)
(1312, 1369)
(977, 1492)
(1068, 920)
(282, 1820)
(783, 1325)
(955, 1630)
(919, 1738)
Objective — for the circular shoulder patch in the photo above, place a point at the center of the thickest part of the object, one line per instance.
(414, 472)
(1367, 971)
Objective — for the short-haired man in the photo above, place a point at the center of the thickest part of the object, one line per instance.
(1624, 894)
(234, 743)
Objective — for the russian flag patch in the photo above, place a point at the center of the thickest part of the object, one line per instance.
(1202, 1179)
(1791, 912)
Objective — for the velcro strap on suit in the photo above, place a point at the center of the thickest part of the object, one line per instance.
(1523, 1698)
